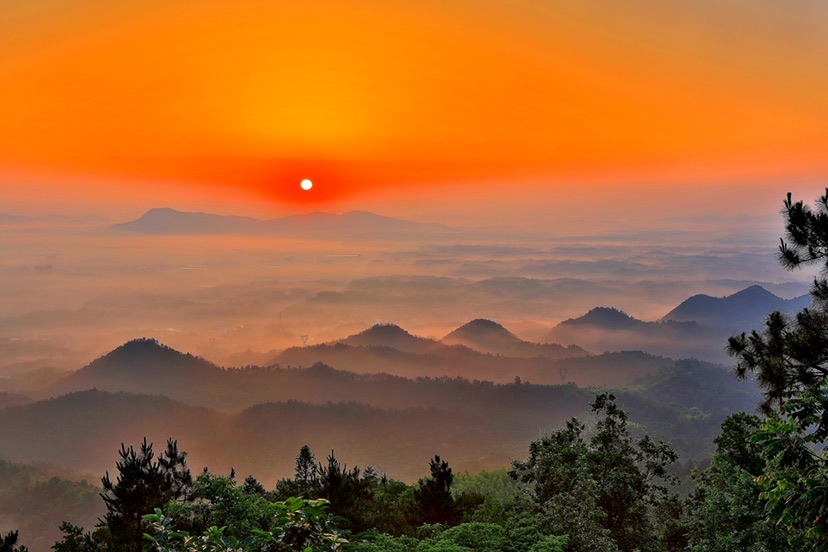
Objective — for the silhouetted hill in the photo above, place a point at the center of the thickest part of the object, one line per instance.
(339, 372)
(142, 365)
(490, 337)
(12, 399)
(478, 425)
(170, 221)
(370, 374)
(83, 430)
(394, 337)
(461, 361)
(744, 310)
(610, 329)
(606, 317)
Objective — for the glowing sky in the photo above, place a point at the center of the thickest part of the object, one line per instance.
(236, 101)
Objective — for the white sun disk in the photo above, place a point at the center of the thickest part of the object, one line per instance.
(306, 184)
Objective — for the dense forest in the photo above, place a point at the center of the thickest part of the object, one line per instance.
(578, 488)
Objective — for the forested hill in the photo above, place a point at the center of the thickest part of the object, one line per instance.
(377, 418)
(740, 311)
(490, 337)
(340, 372)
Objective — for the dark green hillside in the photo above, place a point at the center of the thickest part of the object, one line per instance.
(12, 399)
(75, 430)
(460, 361)
(377, 418)
(36, 498)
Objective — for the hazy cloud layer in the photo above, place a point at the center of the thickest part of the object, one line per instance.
(74, 288)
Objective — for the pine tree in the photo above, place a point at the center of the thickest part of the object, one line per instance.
(9, 543)
(143, 484)
(789, 359)
(433, 494)
(305, 467)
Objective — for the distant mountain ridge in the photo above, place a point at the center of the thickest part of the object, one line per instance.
(606, 317)
(611, 329)
(741, 311)
(697, 328)
(171, 221)
(490, 337)
(393, 336)
(361, 416)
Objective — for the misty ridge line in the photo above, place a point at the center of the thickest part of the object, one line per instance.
(185, 389)
(485, 350)
(699, 313)
(170, 221)
(696, 328)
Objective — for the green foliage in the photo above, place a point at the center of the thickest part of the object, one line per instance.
(377, 542)
(296, 524)
(497, 484)
(733, 444)
(388, 508)
(608, 483)
(724, 512)
(75, 540)
(520, 536)
(795, 482)
(577, 514)
(217, 500)
(482, 537)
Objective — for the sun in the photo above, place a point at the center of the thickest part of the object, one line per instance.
(306, 184)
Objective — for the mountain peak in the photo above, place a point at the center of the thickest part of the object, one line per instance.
(143, 345)
(385, 330)
(146, 355)
(482, 328)
(753, 292)
(390, 335)
(607, 317)
(743, 310)
(487, 336)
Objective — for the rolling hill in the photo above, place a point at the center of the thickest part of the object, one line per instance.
(477, 425)
(741, 311)
(141, 366)
(609, 329)
(490, 337)
(393, 337)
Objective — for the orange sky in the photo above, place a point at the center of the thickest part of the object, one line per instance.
(237, 101)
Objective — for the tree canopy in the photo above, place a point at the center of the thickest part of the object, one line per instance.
(789, 359)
